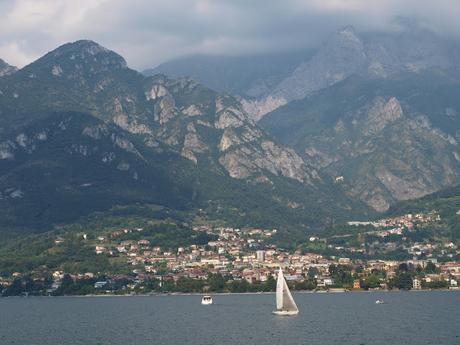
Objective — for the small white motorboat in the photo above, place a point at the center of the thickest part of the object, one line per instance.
(206, 300)
(379, 301)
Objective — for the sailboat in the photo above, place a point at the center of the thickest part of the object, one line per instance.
(285, 304)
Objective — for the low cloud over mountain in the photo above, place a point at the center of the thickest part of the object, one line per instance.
(151, 32)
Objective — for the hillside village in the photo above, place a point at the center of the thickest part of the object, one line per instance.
(248, 256)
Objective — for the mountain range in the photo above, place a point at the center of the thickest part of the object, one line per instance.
(296, 140)
(81, 132)
(375, 112)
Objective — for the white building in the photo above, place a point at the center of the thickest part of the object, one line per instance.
(260, 255)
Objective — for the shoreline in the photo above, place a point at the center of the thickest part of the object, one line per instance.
(235, 293)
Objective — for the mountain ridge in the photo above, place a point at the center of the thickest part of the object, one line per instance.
(146, 128)
(247, 76)
(347, 53)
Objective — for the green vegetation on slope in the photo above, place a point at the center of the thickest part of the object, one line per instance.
(446, 202)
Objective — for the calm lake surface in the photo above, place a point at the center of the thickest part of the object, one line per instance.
(344, 318)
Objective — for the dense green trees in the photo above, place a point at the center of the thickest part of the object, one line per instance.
(216, 282)
(312, 272)
(436, 284)
(309, 284)
(169, 235)
(403, 280)
(189, 285)
(220, 283)
(69, 286)
(431, 268)
(341, 275)
(22, 286)
(373, 280)
(238, 286)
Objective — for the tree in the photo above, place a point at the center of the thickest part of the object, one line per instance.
(431, 268)
(372, 281)
(312, 272)
(403, 267)
(270, 284)
(15, 289)
(238, 285)
(185, 284)
(305, 285)
(67, 282)
(403, 280)
(341, 275)
(216, 282)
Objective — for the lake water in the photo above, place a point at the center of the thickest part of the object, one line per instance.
(345, 318)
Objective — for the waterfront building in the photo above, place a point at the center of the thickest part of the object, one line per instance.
(356, 284)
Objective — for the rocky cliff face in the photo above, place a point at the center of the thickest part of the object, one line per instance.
(202, 124)
(376, 141)
(398, 157)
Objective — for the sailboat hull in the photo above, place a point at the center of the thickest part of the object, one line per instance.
(285, 312)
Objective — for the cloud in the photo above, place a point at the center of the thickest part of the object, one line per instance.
(148, 32)
(14, 52)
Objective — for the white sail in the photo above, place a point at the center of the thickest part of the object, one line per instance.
(285, 304)
(288, 301)
(279, 290)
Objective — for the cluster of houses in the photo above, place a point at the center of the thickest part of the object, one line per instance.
(246, 254)
(406, 220)
(381, 230)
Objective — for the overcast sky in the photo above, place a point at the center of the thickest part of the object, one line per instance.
(148, 32)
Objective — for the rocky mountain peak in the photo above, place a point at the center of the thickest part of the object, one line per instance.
(347, 30)
(80, 57)
(90, 51)
(348, 33)
(342, 55)
(345, 48)
(89, 47)
(6, 69)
